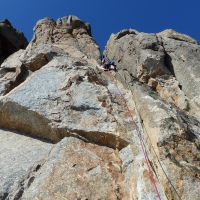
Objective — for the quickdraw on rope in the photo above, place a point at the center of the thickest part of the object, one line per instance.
(150, 170)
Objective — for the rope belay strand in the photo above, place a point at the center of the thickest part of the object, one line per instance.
(142, 144)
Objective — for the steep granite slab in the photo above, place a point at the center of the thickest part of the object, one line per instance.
(144, 57)
(63, 99)
(184, 55)
(79, 170)
(19, 157)
(173, 140)
(148, 66)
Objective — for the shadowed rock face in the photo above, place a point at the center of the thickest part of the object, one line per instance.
(11, 40)
(69, 130)
(12, 71)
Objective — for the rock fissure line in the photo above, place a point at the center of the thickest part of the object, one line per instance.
(167, 59)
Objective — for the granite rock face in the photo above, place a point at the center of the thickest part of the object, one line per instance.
(81, 171)
(20, 156)
(164, 88)
(144, 57)
(70, 130)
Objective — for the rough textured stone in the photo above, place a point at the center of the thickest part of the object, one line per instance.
(175, 139)
(143, 57)
(20, 155)
(64, 33)
(169, 33)
(184, 59)
(172, 136)
(78, 170)
(62, 99)
(11, 40)
(12, 73)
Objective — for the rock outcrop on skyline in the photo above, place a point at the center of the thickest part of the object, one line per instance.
(70, 130)
(11, 40)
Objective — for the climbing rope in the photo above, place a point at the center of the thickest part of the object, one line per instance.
(159, 162)
(150, 170)
(157, 157)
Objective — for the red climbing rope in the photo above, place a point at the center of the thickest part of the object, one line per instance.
(150, 170)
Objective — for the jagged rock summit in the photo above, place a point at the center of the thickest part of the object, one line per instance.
(11, 40)
(70, 130)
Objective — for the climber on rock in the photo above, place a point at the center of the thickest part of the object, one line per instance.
(107, 64)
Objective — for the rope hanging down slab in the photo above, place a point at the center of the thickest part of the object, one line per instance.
(142, 144)
(157, 157)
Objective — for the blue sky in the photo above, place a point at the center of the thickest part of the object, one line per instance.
(108, 16)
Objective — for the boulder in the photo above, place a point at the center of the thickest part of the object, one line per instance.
(67, 97)
(170, 33)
